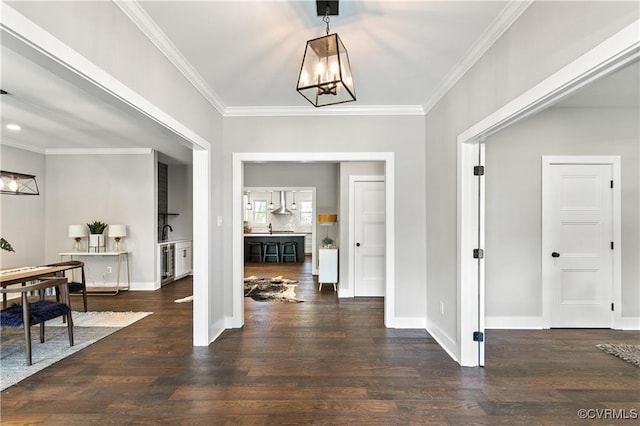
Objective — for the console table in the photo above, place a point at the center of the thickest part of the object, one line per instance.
(121, 255)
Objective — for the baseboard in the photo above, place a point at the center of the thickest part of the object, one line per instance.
(216, 329)
(409, 323)
(144, 286)
(627, 323)
(514, 323)
(447, 343)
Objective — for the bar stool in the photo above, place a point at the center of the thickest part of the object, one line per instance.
(273, 253)
(252, 251)
(289, 250)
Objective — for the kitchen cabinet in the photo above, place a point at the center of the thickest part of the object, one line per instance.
(327, 267)
(183, 256)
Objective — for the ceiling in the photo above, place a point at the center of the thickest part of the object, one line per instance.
(244, 57)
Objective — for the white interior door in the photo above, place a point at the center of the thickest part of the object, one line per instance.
(578, 244)
(369, 233)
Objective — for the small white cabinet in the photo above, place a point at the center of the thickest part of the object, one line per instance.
(327, 267)
(183, 257)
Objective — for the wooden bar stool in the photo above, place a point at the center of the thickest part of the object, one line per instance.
(255, 250)
(288, 251)
(271, 251)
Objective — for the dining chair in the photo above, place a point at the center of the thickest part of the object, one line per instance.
(75, 287)
(31, 313)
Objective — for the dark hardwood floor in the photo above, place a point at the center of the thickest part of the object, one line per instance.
(324, 361)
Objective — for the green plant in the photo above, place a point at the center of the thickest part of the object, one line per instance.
(97, 227)
(4, 245)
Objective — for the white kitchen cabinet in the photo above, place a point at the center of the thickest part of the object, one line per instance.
(183, 257)
(327, 267)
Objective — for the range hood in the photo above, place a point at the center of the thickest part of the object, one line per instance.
(283, 205)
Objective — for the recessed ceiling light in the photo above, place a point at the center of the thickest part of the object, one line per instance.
(14, 127)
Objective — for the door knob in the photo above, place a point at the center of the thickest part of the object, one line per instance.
(357, 244)
(555, 254)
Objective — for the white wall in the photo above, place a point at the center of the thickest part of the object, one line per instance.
(115, 189)
(513, 202)
(547, 36)
(402, 135)
(22, 217)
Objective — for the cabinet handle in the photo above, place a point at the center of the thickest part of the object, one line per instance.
(357, 244)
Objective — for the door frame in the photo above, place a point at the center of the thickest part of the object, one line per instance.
(616, 216)
(607, 57)
(236, 320)
(351, 290)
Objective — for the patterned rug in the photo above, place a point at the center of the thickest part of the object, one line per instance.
(276, 289)
(88, 328)
(629, 353)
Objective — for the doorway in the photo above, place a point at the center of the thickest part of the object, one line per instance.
(239, 159)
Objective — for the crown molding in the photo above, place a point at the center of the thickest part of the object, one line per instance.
(509, 14)
(99, 151)
(149, 28)
(347, 110)
(13, 144)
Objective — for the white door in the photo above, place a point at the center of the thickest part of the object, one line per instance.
(369, 233)
(578, 238)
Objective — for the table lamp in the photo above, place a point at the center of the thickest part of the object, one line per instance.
(117, 232)
(77, 232)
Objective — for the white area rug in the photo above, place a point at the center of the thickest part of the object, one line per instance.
(89, 327)
(184, 299)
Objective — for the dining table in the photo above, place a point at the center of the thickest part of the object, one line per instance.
(22, 275)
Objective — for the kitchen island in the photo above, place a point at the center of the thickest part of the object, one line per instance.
(276, 237)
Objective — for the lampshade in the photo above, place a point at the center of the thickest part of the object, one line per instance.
(77, 231)
(327, 218)
(117, 231)
(18, 183)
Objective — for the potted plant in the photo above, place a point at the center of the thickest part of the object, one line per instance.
(96, 237)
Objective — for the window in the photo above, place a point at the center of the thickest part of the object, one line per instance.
(260, 211)
(306, 212)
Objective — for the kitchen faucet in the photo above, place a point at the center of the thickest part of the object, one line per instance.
(164, 231)
(270, 229)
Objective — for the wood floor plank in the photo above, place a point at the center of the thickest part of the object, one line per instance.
(323, 361)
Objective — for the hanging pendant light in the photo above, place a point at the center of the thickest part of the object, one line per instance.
(271, 206)
(325, 76)
(293, 205)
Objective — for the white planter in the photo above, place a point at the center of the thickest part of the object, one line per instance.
(96, 241)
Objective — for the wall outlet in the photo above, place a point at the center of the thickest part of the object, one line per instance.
(441, 307)
(109, 270)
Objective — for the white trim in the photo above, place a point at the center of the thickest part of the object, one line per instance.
(202, 331)
(344, 110)
(350, 291)
(444, 340)
(418, 323)
(610, 55)
(514, 323)
(616, 216)
(149, 28)
(628, 323)
(237, 236)
(8, 142)
(99, 151)
(509, 14)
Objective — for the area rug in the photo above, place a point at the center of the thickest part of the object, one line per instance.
(184, 300)
(629, 353)
(89, 327)
(276, 289)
